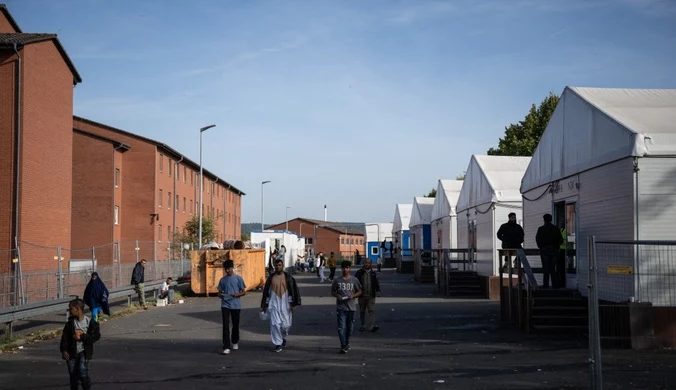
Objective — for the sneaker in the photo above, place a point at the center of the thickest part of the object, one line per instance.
(375, 328)
(361, 329)
(343, 350)
(226, 352)
(284, 343)
(348, 347)
(278, 348)
(235, 346)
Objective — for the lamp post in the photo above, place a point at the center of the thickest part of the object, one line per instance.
(262, 210)
(202, 130)
(287, 218)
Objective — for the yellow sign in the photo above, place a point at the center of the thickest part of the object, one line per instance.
(619, 270)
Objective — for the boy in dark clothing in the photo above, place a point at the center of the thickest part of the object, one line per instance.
(77, 344)
(548, 239)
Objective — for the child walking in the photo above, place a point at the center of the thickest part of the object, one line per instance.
(77, 344)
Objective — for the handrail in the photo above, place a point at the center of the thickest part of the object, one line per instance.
(531, 283)
(21, 312)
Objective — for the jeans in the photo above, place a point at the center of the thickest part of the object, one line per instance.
(96, 312)
(345, 326)
(227, 314)
(141, 294)
(79, 372)
(549, 269)
(168, 294)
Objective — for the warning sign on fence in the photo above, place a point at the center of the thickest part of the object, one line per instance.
(619, 270)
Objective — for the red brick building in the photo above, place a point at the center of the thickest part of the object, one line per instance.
(326, 237)
(83, 184)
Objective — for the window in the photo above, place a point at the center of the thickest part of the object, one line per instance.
(169, 201)
(161, 197)
(171, 164)
(117, 177)
(159, 233)
(374, 250)
(117, 215)
(178, 172)
(342, 241)
(169, 233)
(176, 204)
(161, 163)
(185, 173)
(184, 201)
(308, 241)
(192, 178)
(191, 209)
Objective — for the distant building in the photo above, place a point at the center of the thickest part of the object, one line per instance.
(326, 237)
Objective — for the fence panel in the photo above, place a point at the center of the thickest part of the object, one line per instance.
(636, 289)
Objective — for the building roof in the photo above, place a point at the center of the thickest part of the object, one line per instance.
(22, 39)
(402, 217)
(10, 19)
(448, 192)
(160, 145)
(422, 211)
(116, 143)
(378, 231)
(352, 228)
(492, 179)
(595, 126)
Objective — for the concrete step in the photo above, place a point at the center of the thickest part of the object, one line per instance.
(559, 329)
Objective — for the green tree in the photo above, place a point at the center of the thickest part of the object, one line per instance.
(208, 231)
(246, 236)
(432, 194)
(522, 138)
(461, 177)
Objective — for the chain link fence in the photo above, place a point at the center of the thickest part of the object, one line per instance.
(632, 303)
(38, 273)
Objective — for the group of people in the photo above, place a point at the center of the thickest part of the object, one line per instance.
(281, 296)
(550, 240)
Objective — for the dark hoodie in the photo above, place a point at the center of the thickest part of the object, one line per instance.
(511, 235)
(69, 344)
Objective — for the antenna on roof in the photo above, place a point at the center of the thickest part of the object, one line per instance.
(326, 215)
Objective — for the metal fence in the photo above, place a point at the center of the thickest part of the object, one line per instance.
(632, 298)
(39, 273)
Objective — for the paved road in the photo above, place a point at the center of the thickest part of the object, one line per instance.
(425, 342)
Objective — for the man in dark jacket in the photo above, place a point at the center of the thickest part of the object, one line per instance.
(548, 239)
(77, 344)
(370, 290)
(511, 235)
(280, 298)
(137, 279)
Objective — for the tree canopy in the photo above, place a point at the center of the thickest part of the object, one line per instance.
(432, 193)
(522, 138)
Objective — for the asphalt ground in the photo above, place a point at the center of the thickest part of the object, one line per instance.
(425, 341)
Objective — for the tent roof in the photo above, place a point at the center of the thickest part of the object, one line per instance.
(446, 199)
(402, 217)
(378, 231)
(492, 179)
(422, 211)
(594, 126)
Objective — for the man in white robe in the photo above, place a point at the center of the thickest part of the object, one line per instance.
(280, 297)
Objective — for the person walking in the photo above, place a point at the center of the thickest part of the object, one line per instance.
(548, 239)
(230, 288)
(321, 268)
(96, 297)
(370, 290)
(346, 289)
(332, 266)
(511, 234)
(77, 344)
(280, 297)
(137, 279)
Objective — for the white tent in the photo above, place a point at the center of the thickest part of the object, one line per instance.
(402, 217)
(489, 193)
(400, 232)
(444, 218)
(605, 167)
(420, 224)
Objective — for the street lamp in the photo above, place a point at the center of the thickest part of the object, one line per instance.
(287, 218)
(262, 211)
(202, 130)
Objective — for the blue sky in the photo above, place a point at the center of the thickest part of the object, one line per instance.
(355, 104)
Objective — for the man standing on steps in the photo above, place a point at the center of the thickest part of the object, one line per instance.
(280, 296)
(370, 290)
(137, 279)
(230, 288)
(549, 239)
(511, 234)
(346, 289)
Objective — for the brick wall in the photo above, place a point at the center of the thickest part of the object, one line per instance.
(5, 26)
(7, 143)
(46, 156)
(93, 198)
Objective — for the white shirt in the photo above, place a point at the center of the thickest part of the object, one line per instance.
(164, 287)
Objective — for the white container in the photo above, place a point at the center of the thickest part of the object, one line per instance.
(162, 302)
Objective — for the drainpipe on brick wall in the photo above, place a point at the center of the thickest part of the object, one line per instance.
(225, 212)
(171, 240)
(18, 288)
